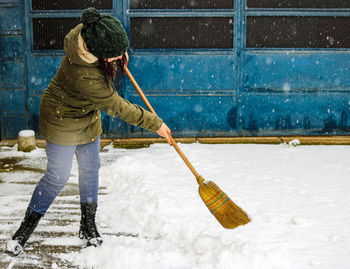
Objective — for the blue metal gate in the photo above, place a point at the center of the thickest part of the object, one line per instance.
(209, 68)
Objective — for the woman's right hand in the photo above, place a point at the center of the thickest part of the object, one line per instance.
(165, 132)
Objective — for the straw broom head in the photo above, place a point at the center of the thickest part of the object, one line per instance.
(221, 206)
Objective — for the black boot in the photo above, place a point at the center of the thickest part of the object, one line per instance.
(29, 223)
(88, 228)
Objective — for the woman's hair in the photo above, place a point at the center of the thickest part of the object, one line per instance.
(108, 69)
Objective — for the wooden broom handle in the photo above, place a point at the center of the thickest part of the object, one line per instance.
(144, 98)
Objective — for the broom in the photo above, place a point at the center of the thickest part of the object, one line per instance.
(219, 204)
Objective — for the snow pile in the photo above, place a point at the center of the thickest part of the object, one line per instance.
(26, 133)
(153, 216)
(294, 143)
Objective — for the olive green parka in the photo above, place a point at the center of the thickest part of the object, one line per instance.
(70, 106)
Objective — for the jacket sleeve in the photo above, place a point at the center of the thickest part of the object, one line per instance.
(96, 90)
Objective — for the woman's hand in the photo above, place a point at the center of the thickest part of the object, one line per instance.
(165, 132)
(126, 58)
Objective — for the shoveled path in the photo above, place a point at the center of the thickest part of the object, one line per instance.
(56, 233)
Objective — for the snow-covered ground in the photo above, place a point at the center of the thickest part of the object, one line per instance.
(152, 216)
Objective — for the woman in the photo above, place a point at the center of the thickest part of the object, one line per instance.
(70, 120)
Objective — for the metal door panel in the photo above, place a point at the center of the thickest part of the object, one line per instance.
(194, 94)
(201, 74)
(193, 115)
(10, 17)
(41, 70)
(12, 73)
(11, 45)
(40, 65)
(284, 71)
(15, 100)
(269, 113)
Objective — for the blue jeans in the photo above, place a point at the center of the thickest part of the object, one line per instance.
(60, 159)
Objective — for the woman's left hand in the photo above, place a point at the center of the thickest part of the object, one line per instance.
(126, 58)
(165, 132)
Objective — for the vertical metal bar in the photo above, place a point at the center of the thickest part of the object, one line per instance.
(118, 9)
(26, 34)
(123, 6)
(240, 33)
(235, 71)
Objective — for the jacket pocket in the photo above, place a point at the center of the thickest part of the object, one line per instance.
(71, 112)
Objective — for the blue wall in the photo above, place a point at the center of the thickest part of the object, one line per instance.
(237, 91)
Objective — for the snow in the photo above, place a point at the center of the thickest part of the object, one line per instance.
(294, 143)
(13, 246)
(26, 133)
(152, 216)
(286, 87)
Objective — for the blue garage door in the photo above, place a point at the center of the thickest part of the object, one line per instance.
(209, 67)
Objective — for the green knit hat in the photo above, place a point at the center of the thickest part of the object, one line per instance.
(103, 34)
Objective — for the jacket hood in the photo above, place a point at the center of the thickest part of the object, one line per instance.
(75, 49)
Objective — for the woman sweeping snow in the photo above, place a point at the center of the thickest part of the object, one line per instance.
(70, 120)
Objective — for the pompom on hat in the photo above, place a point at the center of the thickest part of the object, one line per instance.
(103, 34)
